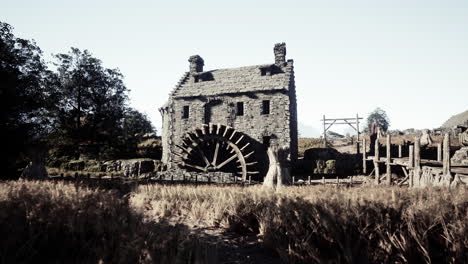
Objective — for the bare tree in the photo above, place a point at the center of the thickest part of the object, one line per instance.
(278, 172)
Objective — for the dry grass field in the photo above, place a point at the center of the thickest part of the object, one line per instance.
(61, 222)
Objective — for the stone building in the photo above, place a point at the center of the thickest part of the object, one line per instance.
(223, 120)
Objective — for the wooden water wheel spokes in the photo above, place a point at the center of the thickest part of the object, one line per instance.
(216, 147)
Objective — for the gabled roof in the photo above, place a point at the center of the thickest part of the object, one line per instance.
(236, 80)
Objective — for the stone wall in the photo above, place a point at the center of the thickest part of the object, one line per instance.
(293, 117)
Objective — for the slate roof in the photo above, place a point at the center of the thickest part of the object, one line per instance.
(235, 80)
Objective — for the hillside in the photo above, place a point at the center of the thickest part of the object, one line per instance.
(459, 119)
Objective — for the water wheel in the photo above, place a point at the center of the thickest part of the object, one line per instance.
(216, 147)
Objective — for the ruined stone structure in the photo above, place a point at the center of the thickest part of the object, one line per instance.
(224, 120)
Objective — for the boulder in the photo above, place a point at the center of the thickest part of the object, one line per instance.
(130, 168)
(460, 156)
(75, 165)
(330, 167)
(426, 138)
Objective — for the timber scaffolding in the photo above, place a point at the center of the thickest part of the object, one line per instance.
(412, 165)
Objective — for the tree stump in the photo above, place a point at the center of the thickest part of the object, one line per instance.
(278, 171)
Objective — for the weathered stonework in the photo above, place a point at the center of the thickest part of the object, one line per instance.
(203, 97)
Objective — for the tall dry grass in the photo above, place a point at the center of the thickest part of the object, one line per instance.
(54, 222)
(323, 224)
(50, 222)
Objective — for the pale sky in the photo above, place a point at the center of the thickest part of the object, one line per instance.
(408, 57)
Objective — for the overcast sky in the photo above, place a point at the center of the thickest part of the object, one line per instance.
(408, 57)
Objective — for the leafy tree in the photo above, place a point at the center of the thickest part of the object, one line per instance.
(26, 97)
(92, 106)
(381, 119)
(135, 125)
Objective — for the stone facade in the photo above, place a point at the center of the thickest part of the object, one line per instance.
(215, 96)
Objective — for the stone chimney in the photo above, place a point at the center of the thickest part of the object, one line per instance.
(280, 54)
(196, 64)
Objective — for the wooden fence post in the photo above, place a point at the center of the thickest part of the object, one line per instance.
(417, 162)
(376, 162)
(323, 180)
(417, 153)
(250, 179)
(411, 165)
(337, 181)
(308, 178)
(439, 152)
(293, 180)
(389, 160)
(446, 155)
(364, 156)
(400, 151)
(411, 157)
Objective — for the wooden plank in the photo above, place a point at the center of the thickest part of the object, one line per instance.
(404, 171)
(403, 180)
(460, 170)
(389, 161)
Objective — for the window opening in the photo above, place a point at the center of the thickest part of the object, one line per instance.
(240, 109)
(266, 107)
(185, 112)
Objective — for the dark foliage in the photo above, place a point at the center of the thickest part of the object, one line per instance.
(380, 117)
(92, 103)
(25, 98)
(78, 109)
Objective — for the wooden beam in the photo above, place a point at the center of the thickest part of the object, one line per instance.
(376, 163)
(341, 123)
(446, 155)
(389, 160)
(411, 156)
(364, 158)
(417, 153)
(400, 151)
(439, 152)
(329, 126)
(324, 133)
(357, 126)
(346, 118)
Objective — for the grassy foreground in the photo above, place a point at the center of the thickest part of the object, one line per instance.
(67, 223)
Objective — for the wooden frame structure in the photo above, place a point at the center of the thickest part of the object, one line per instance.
(328, 123)
(413, 164)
